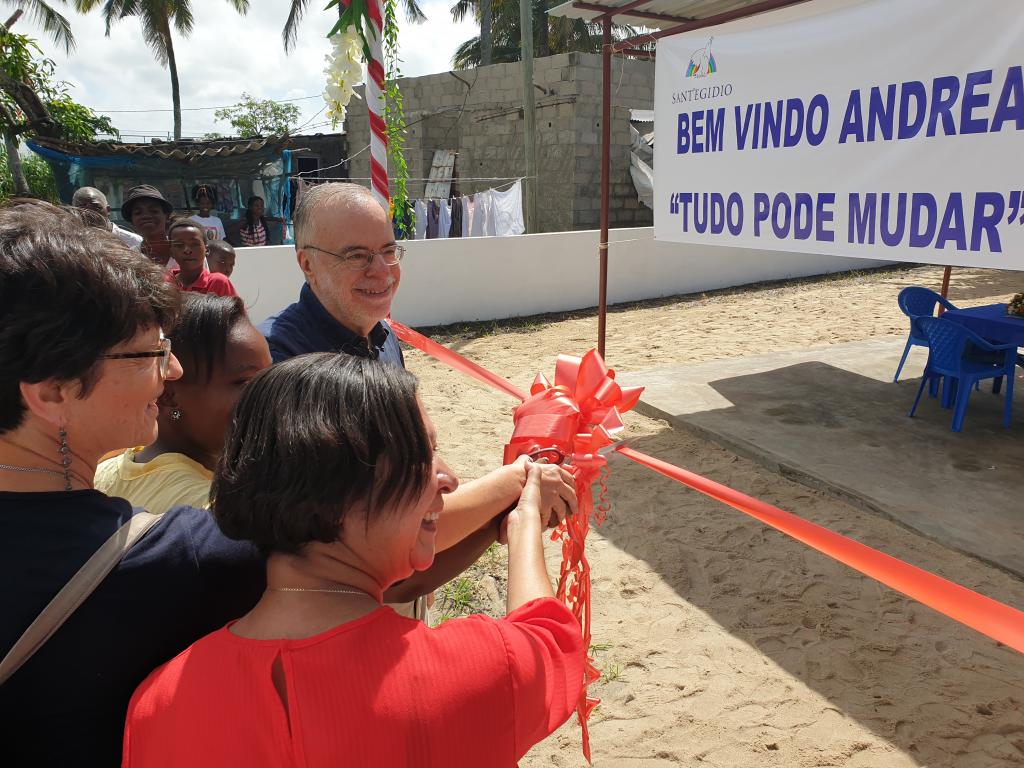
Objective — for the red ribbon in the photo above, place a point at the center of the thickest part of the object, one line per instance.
(577, 416)
(992, 618)
(573, 418)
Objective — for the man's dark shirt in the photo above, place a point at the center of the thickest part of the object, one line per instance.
(306, 326)
(182, 580)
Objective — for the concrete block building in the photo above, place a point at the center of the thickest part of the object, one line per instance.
(478, 114)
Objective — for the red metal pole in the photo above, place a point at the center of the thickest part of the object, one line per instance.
(945, 287)
(606, 140)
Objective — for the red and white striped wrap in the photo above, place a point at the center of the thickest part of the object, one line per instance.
(375, 106)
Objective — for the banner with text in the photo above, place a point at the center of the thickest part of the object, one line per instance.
(886, 129)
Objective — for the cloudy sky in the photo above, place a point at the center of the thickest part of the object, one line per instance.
(226, 55)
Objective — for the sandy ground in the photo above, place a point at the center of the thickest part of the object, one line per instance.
(723, 643)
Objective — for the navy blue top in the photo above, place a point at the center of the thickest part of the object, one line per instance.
(181, 581)
(306, 326)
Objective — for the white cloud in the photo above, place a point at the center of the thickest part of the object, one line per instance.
(225, 55)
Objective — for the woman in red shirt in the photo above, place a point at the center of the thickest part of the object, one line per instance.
(330, 469)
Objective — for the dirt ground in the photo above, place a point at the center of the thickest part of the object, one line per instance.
(721, 642)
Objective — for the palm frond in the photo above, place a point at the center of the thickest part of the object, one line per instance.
(290, 33)
(414, 13)
(181, 15)
(53, 23)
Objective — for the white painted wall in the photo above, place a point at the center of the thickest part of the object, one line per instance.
(488, 278)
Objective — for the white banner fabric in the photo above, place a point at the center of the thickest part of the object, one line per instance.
(885, 129)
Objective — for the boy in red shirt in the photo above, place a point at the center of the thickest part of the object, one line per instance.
(188, 248)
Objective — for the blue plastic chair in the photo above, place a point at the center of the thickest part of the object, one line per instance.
(948, 346)
(916, 301)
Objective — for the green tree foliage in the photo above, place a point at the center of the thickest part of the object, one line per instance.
(259, 117)
(44, 14)
(34, 102)
(38, 174)
(23, 69)
(157, 18)
(290, 33)
(551, 34)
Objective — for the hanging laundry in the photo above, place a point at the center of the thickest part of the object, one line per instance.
(420, 208)
(432, 216)
(479, 214)
(455, 230)
(444, 218)
(507, 211)
(467, 215)
(489, 230)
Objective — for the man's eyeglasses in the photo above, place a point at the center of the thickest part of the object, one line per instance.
(164, 353)
(362, 258)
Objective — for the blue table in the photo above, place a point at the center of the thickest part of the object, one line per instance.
(991, 323)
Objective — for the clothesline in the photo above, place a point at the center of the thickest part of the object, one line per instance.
(491, 212)
(510, 179)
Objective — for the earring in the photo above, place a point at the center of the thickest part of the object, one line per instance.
(65, 457)
(176, 414)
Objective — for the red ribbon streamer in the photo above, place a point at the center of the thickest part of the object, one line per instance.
(453, 359)
(983, 614)
(585, 393)
(575, 417)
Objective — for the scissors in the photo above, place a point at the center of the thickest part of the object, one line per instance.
(553, 455)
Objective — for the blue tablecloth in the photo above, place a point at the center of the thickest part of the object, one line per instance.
(991, 323)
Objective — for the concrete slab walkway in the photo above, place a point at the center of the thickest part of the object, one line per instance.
(832, 418)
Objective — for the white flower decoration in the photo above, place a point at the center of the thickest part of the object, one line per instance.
(344, 71)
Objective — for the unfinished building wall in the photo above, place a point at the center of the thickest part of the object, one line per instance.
(478, 113)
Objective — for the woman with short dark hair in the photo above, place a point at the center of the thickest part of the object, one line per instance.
(330, 469)
(83, 361)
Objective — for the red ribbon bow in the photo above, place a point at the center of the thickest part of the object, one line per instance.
(575, 417)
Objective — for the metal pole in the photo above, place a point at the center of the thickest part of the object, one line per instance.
(606, 140)
(529, 115)
(945, 287)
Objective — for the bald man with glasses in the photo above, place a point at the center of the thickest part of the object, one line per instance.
(346, 248)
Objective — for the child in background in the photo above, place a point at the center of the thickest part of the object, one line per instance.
(204, 197)
(220, 256)
(219, 351)
(188, 247)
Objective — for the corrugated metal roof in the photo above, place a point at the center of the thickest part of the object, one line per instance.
(184, 151)
(647, 15)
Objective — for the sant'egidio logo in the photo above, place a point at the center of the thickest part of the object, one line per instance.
(702, 62)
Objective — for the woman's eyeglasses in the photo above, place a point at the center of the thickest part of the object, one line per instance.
(164, 353)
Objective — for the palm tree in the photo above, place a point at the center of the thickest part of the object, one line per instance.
(43, 14)
(290, 33)
(157, 16)
(550, 34)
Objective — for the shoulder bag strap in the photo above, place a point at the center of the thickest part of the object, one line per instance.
(74, 593)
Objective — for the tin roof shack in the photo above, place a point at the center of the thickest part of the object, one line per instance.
(320, 156)
(235, 168)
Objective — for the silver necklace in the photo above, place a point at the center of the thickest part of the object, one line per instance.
(13, 468)
(313, 589)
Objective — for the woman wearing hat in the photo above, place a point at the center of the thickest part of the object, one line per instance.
(147, 211)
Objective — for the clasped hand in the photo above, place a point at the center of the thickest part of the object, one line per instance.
(549, 491)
